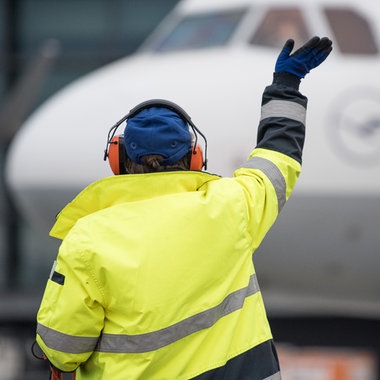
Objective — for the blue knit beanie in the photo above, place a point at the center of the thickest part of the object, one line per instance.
(157, 130)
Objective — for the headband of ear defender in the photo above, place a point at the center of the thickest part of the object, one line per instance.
(155, 126)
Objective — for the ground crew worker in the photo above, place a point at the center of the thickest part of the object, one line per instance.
(154, 278)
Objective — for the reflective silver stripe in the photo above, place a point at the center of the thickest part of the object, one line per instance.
(64, 342)
(122, 343)
(276, 376)
(284, 108)
(273, 173)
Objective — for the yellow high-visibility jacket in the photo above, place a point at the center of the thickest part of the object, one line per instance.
(154, 278)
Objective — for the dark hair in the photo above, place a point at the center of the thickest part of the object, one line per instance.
(152, 163)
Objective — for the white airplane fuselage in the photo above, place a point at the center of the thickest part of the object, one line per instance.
(322, 255)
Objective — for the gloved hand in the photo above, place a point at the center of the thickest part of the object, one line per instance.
(306, 58)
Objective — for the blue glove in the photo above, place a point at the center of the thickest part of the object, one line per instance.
(306, 58)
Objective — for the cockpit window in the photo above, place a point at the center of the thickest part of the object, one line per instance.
(279, 24)
(352, 32)
(201, 31)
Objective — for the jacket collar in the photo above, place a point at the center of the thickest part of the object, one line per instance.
(114, 190)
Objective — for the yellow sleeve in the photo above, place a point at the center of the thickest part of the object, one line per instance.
(71, 315)
(268, 178)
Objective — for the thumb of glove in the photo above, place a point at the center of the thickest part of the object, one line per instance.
(287, 48)
(284, 55)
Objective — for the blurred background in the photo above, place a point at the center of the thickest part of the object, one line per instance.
(46, 45)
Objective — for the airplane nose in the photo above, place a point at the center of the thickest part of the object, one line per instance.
(58, 150)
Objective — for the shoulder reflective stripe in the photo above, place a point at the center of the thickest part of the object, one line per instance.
(66, 343)
(122, 343)
(284, 108)
(273, 173)
(276, 376)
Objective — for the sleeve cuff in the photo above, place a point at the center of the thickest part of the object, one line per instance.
(286, 79)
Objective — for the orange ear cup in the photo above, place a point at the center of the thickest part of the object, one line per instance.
(114, 155)
(196, 161)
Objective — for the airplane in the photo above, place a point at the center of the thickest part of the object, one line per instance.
(214, 59)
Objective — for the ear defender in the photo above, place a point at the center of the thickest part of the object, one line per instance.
(196, 160)
(117, 155)
(115, 149)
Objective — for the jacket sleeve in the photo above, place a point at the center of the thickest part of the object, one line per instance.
(71, 315)
(272, 169)
(283, 114)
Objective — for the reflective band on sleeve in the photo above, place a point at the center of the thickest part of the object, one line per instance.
(122, 343)
(274, 175)
(276, 376)
(284, 108)
(66, 343)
